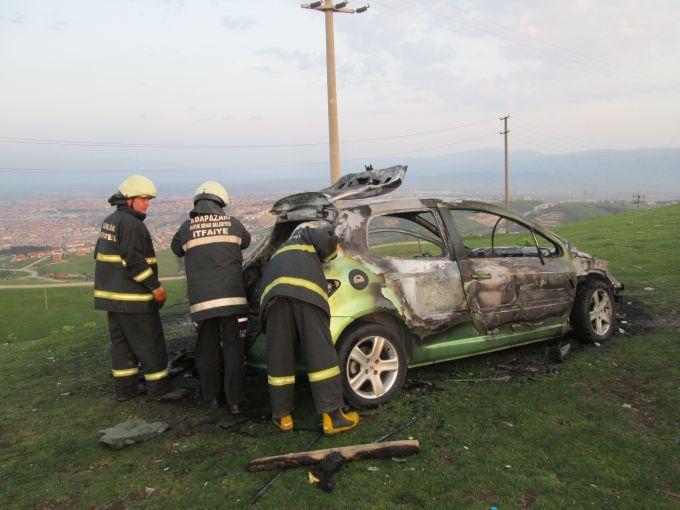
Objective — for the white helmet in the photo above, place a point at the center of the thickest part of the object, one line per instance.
(213, 191)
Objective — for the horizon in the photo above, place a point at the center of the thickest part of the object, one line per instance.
(140, 88)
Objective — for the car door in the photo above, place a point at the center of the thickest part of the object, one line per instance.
(419, 271)
(515, 278)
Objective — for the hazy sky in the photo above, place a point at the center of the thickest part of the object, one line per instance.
(573, 75)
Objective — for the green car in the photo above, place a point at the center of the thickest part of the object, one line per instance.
(420, 281)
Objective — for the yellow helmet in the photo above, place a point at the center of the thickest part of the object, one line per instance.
(137, 186)
(212, 190)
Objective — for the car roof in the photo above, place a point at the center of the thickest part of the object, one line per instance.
(384, 205)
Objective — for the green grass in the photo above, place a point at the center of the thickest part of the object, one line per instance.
(168, 265)
(562, 440)
(643, 249)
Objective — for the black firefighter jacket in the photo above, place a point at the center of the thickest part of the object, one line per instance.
(126, 271)
(295, 271)
(211, 243)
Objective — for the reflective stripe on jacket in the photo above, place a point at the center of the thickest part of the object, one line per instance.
(126, 271)
(294, 270)
(211, 244)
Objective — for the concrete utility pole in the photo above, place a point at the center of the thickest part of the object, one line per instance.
(507, 174)
(329, 8)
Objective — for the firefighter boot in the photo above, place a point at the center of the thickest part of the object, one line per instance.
(285, 423)
(337, 421)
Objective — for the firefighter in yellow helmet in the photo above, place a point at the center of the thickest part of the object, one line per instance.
(127, 287)
(211, 242)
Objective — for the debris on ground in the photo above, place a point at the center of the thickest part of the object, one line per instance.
(557, 352)
(418, 387)
(148, 492)
(349, 453)
(504, 378)
(131, 432)
(323, 472)
(519, 367)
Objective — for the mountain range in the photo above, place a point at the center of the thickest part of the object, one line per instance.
(608, 174)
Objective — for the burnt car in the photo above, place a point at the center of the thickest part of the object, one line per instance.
(423, 280)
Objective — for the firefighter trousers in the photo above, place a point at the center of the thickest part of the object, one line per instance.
(212, 332)
(291, 323)
(137, 338)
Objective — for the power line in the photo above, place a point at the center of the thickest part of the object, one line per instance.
(131, 145)
(549, 43)
(557, 134)
(246, 167)
(523, 47)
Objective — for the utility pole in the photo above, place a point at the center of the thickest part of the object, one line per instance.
(507, 170)
(637, 198)
(329, 8)
(507, 174)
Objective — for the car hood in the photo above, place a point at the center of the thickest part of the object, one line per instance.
(319, 204)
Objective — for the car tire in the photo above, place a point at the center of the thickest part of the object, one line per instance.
(365, 382)
(593, 314)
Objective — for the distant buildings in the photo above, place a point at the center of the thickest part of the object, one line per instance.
(70, 226)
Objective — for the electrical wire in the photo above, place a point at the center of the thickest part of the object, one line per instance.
(247, 167)
(131, 145)
(531, 126)
(595, 60)
(519, 47)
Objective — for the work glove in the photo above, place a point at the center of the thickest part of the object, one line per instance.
(160, 295)
(242, 327)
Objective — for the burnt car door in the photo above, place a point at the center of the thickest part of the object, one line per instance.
(405, 240)
(515, 277)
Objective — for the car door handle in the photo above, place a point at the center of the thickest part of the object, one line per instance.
(481, 276)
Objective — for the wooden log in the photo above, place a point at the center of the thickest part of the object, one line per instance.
(349, 453)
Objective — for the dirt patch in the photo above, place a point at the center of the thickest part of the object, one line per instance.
(633, 318)
(634, 394)
(487, 495)
(448, 457)
(419, 387)
(528, 498)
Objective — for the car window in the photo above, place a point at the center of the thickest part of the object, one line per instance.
(488, 235)
(405, 235)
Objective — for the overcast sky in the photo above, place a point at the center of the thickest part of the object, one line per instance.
(573, 75)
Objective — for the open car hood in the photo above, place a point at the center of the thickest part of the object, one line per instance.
(318, 204)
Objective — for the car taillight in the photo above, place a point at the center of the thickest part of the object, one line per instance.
(332, 286)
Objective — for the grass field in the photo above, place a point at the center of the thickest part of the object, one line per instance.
(168, 265)
(599, 433)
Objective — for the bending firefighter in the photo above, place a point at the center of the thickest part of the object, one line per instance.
(211, 243)
(295, 311)
(127, 287)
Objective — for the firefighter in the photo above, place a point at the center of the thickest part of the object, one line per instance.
(294, 310)
(211, 242)
(126, 286)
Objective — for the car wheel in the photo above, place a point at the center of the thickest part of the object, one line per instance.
(592, 316)
(373, 364)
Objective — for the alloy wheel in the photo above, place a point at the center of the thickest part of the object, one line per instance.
(372, 367)
(601, 312)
